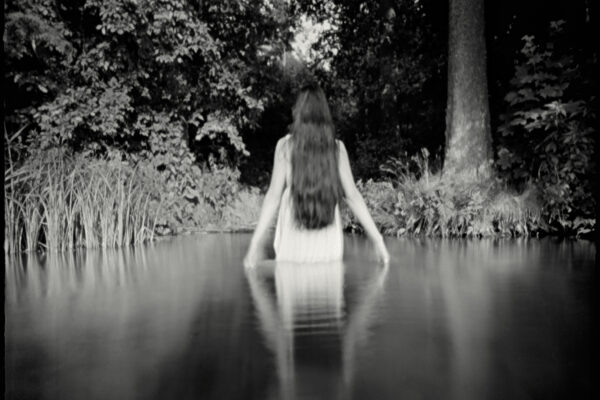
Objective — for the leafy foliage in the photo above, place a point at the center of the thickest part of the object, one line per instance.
(418, 202)
(547, 130)
(79, 114)
(85, 71)
(380, 199)
(382, 64)
(193, 195)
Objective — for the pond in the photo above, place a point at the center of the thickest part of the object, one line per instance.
(180, 319)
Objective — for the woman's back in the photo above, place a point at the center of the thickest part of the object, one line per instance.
(292, 241)
(311, 176)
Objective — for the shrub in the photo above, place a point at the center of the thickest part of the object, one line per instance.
(380, 198)
(195, 194)
(547, 135)
(462, 208)
(203, 199)
(422, 203)
(243, 212)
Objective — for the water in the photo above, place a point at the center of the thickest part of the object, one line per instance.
(490, 319)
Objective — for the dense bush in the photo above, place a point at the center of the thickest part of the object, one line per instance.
(89, 74)
(457, 208)
(547, 131)
(380, 198)
(202, 199)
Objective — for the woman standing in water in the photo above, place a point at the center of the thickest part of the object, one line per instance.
(311, 175)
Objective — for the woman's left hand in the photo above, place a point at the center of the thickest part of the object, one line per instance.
(382, 252)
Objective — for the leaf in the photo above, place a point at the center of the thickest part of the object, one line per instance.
(511, 97)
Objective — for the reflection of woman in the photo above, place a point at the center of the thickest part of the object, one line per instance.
(312, 339)
(311, 174)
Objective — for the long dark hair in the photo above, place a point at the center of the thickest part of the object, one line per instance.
(316, 187)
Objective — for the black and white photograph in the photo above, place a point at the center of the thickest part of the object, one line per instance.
(301, 199)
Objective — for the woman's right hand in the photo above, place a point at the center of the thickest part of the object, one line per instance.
(250, 260)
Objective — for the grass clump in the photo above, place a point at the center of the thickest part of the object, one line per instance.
(462, 208)
(58, 202)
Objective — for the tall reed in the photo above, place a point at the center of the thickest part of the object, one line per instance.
(56, 202)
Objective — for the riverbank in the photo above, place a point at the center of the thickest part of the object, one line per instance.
(434, 206)
(58, 203)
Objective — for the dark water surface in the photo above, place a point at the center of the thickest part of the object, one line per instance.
(497, 319)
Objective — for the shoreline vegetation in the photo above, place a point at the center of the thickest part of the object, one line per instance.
(61, 202)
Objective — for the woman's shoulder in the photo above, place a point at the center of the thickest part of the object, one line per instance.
(284, 139)
(282, 147)
(340, 146)
(283, 142)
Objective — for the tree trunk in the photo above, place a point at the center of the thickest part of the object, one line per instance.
(468, 131)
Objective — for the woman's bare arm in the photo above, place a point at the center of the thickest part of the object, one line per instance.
(357, 204)
(270, 204)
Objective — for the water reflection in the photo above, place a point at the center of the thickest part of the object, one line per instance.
(50, 275)
(180, 319)
(307, 326)
(483, 320)
(114, 323)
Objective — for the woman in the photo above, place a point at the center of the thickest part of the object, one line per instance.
(311, 175)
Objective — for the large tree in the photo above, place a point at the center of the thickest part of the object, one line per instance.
(468, 132)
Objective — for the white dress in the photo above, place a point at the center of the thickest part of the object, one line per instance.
(295, 244)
